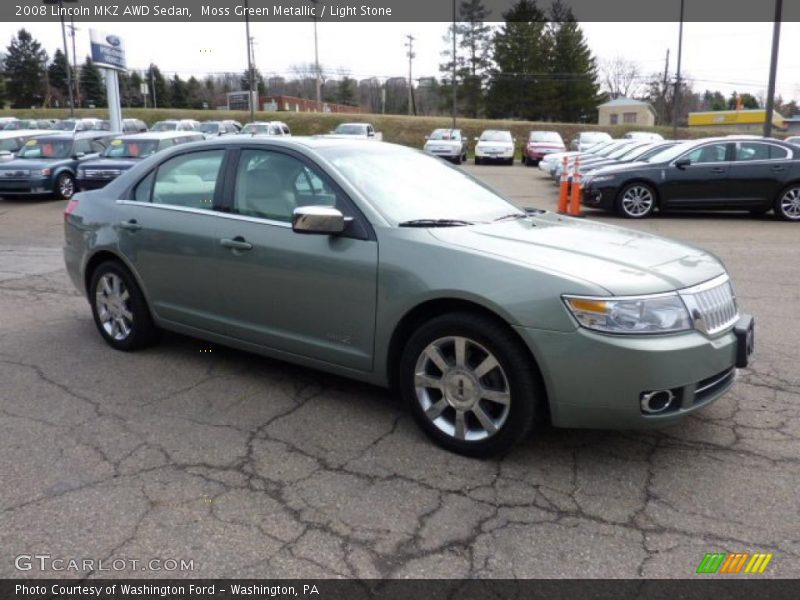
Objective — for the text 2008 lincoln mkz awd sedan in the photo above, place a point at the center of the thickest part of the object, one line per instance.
(380, 263)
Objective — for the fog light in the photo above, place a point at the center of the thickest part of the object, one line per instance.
(656, 401)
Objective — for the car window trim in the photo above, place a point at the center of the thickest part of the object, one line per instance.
(788, 156)
(729, 148)
(360, 222)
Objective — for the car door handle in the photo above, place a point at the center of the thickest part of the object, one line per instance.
(131, 225)
(237, 243)
(717, 170)
(778, 169)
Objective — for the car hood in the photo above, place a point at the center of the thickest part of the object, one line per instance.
(33, 163)
(621, 167)
(110, 163)
(619, 260)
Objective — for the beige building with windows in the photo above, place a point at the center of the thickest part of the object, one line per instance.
(626, 111)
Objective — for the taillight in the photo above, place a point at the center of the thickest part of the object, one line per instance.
(71, 206)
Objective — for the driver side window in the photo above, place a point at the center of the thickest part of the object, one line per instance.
(708, 154)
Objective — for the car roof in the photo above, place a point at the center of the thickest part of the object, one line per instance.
(156, 135)
(310, 142)
(80, 135)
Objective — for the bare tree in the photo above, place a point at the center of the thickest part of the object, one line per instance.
(621, 77)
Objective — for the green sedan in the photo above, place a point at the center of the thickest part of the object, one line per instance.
(380, 263)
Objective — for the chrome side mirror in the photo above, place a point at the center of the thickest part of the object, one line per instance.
(318, 219)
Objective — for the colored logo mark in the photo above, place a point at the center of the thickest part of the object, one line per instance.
(734, 563)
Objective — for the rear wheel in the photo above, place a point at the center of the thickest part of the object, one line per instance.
(787, 204)
(470, 383)
(636, 201)
(119, 308)
(477, 160)
(65, 186)
(457, 160)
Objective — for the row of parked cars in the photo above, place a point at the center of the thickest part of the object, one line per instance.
(635, 178)
(499, 145)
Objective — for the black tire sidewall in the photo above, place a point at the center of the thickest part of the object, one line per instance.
(526, 395)
(143, 330)
(61, 177)
(621, 212)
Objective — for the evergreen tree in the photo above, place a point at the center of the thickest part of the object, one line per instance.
(521, 87)
(135, 90)
(2, 80)
(159, 91)
(177, 92)
(195, 95)
(573, 68)
(57, 75)
(473, 57)
(25, 71)
(258, 79)
(347, 91)
(93, 88)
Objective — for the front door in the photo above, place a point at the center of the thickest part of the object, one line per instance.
(757, 174)
(307, 295)
(701, 184)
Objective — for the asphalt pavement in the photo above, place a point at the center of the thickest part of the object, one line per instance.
(241, 466)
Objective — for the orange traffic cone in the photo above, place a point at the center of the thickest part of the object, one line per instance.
(575, 201)
(563, 192)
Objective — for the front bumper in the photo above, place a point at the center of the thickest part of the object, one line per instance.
(92, 184)
(597, 381)
(444, 152)
(33, 186)
(599, 196)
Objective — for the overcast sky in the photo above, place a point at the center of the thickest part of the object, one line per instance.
(724, 56)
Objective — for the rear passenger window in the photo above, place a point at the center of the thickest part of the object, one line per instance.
(188, 180)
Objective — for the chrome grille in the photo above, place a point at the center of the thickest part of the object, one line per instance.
(102, 174)
(712, 305)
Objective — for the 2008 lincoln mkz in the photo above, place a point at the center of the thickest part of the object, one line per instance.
(383, 264)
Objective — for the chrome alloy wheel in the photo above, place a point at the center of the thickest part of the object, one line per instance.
(112, 301)
(790, 204)
(66, 186)
(637, 201)
(462, 388)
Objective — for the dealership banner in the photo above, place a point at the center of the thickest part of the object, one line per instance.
(184, 11)
(108, 51)
(376, 589)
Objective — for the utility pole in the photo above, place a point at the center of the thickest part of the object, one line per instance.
(249, 60)
(665, 84)
(66, 57)
(153, 87)
(411, 55)
(773, 67)
(676, 104)
(75, 76)
(317, 73)
(454, 64)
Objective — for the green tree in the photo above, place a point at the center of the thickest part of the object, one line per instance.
(177, 92)
(473, 57)
(57, 75)
(573, 68)
(159, 91)
(261, 88)
(714, 101)
(135, 90)
(346, 93)
(195, 94)
(747, 101)
(93, 88)
(2, 80)
(25, 71)
(520, 87)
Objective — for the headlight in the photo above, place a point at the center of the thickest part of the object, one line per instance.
(81, 173)
(664, 313)
(597, 178)
(44, 173)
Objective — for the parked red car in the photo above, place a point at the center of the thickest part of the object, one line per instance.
(539, 144)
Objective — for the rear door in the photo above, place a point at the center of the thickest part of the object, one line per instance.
(701, 184)
(757, 173)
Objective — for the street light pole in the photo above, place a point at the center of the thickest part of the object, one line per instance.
(677, 93)
(410, 45)
(454, 64)
(75, 77)
(773, 68)
(249, 60)
(317, 74)
(66, 58)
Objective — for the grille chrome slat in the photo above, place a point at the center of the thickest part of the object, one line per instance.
(712, 305)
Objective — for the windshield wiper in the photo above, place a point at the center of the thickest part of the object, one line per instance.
(435, 223)
(510, 216)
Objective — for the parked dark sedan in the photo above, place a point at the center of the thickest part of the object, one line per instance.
(755, 175)
(47, 165)
(124, 152)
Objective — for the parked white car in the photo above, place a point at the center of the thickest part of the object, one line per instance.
(644, 136)
(587, 139)
(495, 145)
(353, 131)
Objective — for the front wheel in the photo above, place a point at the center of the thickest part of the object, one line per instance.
(477, 160)
(65, 186)
(470, 383)
(119, 308)
(636, 201)
(787, 204)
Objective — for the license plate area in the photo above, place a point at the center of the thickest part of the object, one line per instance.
(745, 340)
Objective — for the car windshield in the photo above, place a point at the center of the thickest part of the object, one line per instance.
(209, 127)
(165, 126)
(9, 145)
(625, 150)
(65, 125)
(496, 136)
(436, 191)
(442, 134)
(256, 128)
(131, 148)
(593, 138)
(545, 136)
(46, 148)
(349, 129)
(608, 149)
(670, 153)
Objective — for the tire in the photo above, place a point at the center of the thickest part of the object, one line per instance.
(758, 212)
(477, 160)
(119, 308)
(457, 160)
(510, 161)
(636, 201)
(787, 204)
(65, 186)
(486, 426)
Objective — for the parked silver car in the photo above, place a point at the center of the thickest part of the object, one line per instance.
(450, 144)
